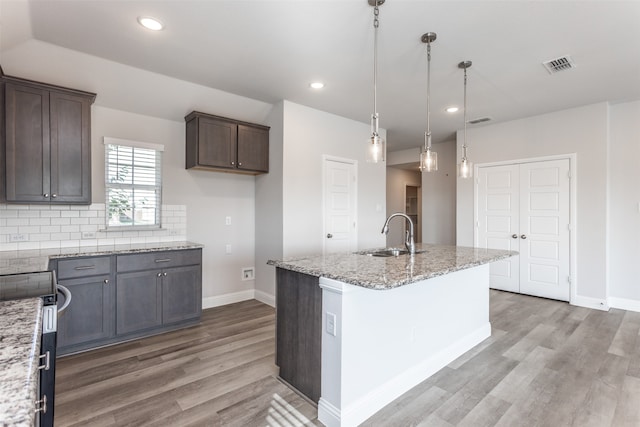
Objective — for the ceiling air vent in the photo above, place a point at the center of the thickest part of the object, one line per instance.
(559, 64)
(479, 120)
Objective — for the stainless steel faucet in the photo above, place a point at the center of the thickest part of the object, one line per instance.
(409, 242)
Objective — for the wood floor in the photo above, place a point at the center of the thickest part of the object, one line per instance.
(546, 364)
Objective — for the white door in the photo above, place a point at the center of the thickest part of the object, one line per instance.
(544, 229)
(339, 206)
(525, 207)
(498, 221)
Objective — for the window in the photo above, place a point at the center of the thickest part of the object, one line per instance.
(133, 173)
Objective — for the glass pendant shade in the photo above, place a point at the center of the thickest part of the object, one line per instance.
(465, 168)
(377, 149)
(428, 161)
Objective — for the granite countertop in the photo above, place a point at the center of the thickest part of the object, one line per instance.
(20, 332)
(27, 261)
(391, 272)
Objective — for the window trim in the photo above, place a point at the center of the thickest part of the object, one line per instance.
(134, 144)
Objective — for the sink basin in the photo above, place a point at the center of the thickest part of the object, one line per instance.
(388, 252)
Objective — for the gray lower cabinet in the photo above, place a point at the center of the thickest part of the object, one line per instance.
(121, 297)
(89, 317)
(139, 301)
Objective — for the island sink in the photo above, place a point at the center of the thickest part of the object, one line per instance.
(387, 252)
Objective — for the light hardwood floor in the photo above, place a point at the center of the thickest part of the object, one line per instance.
(546, 364)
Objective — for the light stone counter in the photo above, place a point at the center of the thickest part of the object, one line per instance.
(28, 261)
(391, 272)
(20, 330)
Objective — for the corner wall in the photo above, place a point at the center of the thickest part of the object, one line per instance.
(624, 206)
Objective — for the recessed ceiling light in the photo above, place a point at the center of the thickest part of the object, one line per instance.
(150, 23)
(452, 109)
(316, 85)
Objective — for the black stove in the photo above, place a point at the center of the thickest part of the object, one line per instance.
(40, 285)
(29, 285)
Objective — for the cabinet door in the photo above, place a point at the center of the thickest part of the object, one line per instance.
(181, 293)
(89, 316)
(27, 144)
(138, 301)
(70, 118)
(217, 141)
(253, 148)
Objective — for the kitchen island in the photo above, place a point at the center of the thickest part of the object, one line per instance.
(356, 331)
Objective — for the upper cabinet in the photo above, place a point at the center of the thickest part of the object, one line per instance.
(221, 144)
(46, 142)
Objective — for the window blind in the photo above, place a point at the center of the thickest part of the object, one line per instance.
(133, 184)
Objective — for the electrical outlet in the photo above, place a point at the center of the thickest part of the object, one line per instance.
(19, 237)
(248, 273)
(88, 234)
(228, 249)
(331, 324)
(227, 220)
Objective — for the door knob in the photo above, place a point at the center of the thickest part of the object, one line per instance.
(329, 235)
(523, 237)
(514, 236)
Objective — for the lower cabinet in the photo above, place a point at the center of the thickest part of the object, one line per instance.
(89, 317)
(120, 297)
(138, 301)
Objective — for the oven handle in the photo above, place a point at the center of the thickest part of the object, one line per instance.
(67, 298)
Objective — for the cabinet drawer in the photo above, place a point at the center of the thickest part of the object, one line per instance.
(83, 267)
(152, 260)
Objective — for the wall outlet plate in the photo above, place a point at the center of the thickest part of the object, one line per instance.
(88, 234)
(248, 273)
(21, 237)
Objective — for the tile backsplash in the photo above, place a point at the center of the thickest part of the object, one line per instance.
(28, 227)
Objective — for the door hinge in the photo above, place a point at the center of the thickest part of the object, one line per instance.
(569, 174)
(569, 279)
(569, 227)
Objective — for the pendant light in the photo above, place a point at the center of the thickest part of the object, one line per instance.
(377, 147)
(428, 158)
(465, 168)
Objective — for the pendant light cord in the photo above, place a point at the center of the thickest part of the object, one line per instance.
(376, 24)
(464, 146)
(427, 135)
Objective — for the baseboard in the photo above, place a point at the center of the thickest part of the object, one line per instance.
(265, 298)
(588, 302)
(624, 304)
(328, 414)
(369, 404)
(218, 300)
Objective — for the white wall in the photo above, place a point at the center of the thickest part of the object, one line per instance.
(624, 205)
(139, 105)
(289, 205)
(309, 134)
(397, 180)
(439, 198)
(582, 130)
(269, 214)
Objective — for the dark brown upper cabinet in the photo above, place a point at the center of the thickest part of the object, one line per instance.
(46, 142)
(226, 145)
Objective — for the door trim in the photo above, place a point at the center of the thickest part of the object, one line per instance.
(573, 187)
(354, 163)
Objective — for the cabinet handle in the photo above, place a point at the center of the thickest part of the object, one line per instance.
(233, 163)
(106, 281)
(514, 236)
(159, 274)
(41, 405)
(164, 274)
(54, 195)
(163, 260)
(47, 361)
(46, 195)
(523, 236)
(85, 267)
(239, 163)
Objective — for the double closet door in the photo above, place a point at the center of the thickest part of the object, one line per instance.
(526, 208)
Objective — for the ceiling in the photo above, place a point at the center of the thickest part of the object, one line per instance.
(271, 50)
